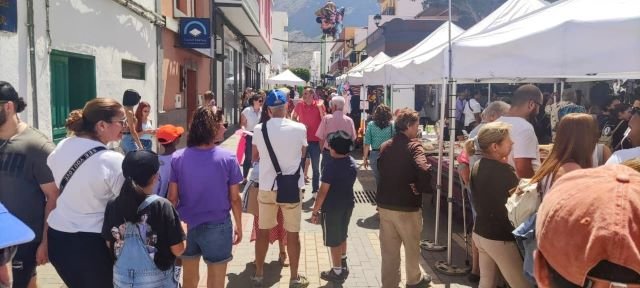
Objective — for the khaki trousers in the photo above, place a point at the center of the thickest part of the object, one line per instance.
(400, 228)
(502, 255)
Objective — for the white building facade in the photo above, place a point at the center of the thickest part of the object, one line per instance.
(82, 50)
(280, 55)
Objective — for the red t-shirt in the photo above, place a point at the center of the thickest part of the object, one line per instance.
(310, 116)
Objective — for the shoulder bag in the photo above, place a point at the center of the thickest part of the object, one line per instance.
(76, 165)
(288, 190)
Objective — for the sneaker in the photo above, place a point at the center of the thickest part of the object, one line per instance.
(257, 281)
(424, 283)
(331, 276)
(301, 282)
(345, 269)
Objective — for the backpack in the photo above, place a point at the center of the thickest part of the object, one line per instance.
(607, 135)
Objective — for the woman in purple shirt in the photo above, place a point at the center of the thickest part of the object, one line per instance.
(204, 186)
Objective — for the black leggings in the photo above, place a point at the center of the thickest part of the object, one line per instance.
(81, 259)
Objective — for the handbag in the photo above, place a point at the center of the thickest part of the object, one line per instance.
(526, 199)
(288, 190)
(76, 165)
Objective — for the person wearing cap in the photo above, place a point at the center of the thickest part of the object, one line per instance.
(404, 176)
(142, 230)
(289, 141)
(14, 233)
(587, 230)
(335, 204)
(76, 248)
(168, 136)
(205, 187)
(27, 189)
(332, 123)
(634, 137)
(130, 135)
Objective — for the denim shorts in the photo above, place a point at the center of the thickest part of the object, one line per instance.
(212, 241)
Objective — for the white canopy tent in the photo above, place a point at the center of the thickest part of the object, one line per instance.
(354, 71)
(569, 39)
(430, 68)
(357, 77)
(286, 78)
(379, 74)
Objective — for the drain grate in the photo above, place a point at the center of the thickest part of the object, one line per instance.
(366, 196)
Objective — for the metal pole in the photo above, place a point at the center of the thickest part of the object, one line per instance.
(426, 244)
(447, 267)
(489, 95)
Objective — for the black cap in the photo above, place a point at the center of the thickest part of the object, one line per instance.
(341, 142)
(8, 93)
(140, 166)
(131, 98)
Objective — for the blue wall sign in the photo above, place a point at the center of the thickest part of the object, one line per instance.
(194, 33)
(8, 15)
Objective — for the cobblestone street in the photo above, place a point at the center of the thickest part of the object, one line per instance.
(363, 249)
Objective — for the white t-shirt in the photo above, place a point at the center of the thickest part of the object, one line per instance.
(525, 142)
(623, 155)
(252, 116)
(164, 173)
(471, 107)
(287, 139)
(80, 207)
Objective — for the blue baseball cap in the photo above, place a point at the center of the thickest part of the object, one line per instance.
(14, 232)
(276, 97)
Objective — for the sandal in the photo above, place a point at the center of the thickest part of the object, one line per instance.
(282, 258)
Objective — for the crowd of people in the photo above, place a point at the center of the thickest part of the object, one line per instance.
(104, 218)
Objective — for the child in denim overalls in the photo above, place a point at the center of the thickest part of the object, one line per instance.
(142, 229)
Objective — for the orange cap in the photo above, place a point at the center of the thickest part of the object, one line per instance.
(168, 133)
(588, 216)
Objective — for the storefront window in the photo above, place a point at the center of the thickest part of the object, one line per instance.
(230, 86)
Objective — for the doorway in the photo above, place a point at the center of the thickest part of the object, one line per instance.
(73, 83)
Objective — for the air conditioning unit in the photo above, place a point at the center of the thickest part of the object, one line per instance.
(178, 101)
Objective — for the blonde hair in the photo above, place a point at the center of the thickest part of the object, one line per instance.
(633, 163)
(494, 132)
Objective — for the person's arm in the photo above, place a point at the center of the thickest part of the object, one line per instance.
(322, 195)
(606, 153)
(50, 191)
(255, 155)
(132, 128)
(320, 132)
(236, 209)
(422, 164)
(524, 167)
(294, 114)
(243, 122)
(172, 195)
(365, 155)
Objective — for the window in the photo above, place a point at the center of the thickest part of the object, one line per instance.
(182, 6)
(133, 70)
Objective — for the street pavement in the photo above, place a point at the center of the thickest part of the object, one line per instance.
(363, 247)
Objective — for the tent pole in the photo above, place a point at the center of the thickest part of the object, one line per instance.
(426, 244)
(561, 89)
(489, 94)
(447, 267)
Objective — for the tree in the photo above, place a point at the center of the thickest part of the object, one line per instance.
(303, 73)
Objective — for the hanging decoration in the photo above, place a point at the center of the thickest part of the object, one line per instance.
(330, 19)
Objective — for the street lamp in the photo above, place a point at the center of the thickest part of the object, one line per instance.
(376, 19)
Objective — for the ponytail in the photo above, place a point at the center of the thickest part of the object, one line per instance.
(131, 195)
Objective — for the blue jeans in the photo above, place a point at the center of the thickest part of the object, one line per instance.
(313, 152)
(211, 240)
(135, 267)
(525, 236)
(127, 143)
(373, 163)
(246, 165)
(146, 144)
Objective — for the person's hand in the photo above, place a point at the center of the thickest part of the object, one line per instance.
(150, 131)
(42, 254)
(315, 217)
(366, 163)
(237, 231)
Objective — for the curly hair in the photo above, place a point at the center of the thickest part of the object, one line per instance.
(405, 118)
(382, 116)
(204, 126)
